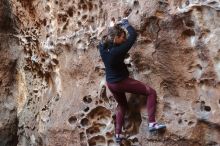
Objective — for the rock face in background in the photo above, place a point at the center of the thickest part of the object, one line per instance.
(9, 56)
(52, 77)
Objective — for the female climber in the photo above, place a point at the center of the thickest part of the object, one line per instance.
(113, 49)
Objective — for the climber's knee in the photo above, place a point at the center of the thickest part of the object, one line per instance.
(151, 91)
(122, 108)
(154, 92)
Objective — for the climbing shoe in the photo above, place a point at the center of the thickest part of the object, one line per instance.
(156, 126)
(118, 138)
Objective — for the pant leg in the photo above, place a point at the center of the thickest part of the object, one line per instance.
(121, 109)
(134, 86)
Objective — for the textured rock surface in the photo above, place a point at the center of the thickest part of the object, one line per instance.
(52, 78)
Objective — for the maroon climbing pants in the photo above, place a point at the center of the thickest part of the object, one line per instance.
(130, 85)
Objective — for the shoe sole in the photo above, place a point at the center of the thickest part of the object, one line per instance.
(152, 130)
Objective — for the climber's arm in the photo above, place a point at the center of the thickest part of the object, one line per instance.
(126, 46)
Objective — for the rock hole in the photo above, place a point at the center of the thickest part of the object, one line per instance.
(72, 120)
(112, 99)
(79, 23)
(111, 143)
(86, 109)
(114, 117)
(202, 102)
(84, 17)
(93, 130)
(64, 19)
(100, 112)
(87, 99)
(100, 3)
(90, 6)
(56, 98)
(82, 136)
(61, 4)
(198, 8)
(42, 60)
(100, 101)
(127, 12)
(188, 32)
(55, 61)
(51, 43)
(70, 12)
(92, 19)
(212, 3)
(79, 6)
(189, 23)
(135, 140)
(56, 2)
(81, 2)
(84, 122)
(219, 101)
(82, 115)
(96, 6)
(136, 4)
(180, 121)
(61, 17)
(47, 8)
(44, 22)
(79, 41)
(128, 65)
(35, 91)
(84, 6)
(187, 2)
(97, 140)
(78, 13)
(101, 11)
(109, 134)
(212, 143)
(167, 107)
(207, 108)
(190, 123)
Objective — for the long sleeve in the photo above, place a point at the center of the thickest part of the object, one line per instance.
(126, 46)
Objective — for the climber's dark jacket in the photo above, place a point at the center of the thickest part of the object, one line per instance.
(113, 57)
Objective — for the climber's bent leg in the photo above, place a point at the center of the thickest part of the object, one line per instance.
(134, 86)
(151, 104)
(121, 110)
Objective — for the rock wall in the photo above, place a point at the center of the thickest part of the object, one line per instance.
(9, 56)
(52, 77)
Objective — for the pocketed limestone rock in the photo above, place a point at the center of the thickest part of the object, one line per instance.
(53, 88)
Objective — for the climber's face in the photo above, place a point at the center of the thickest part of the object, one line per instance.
(120, 39)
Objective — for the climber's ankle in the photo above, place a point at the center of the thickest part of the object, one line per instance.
(118, 138)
